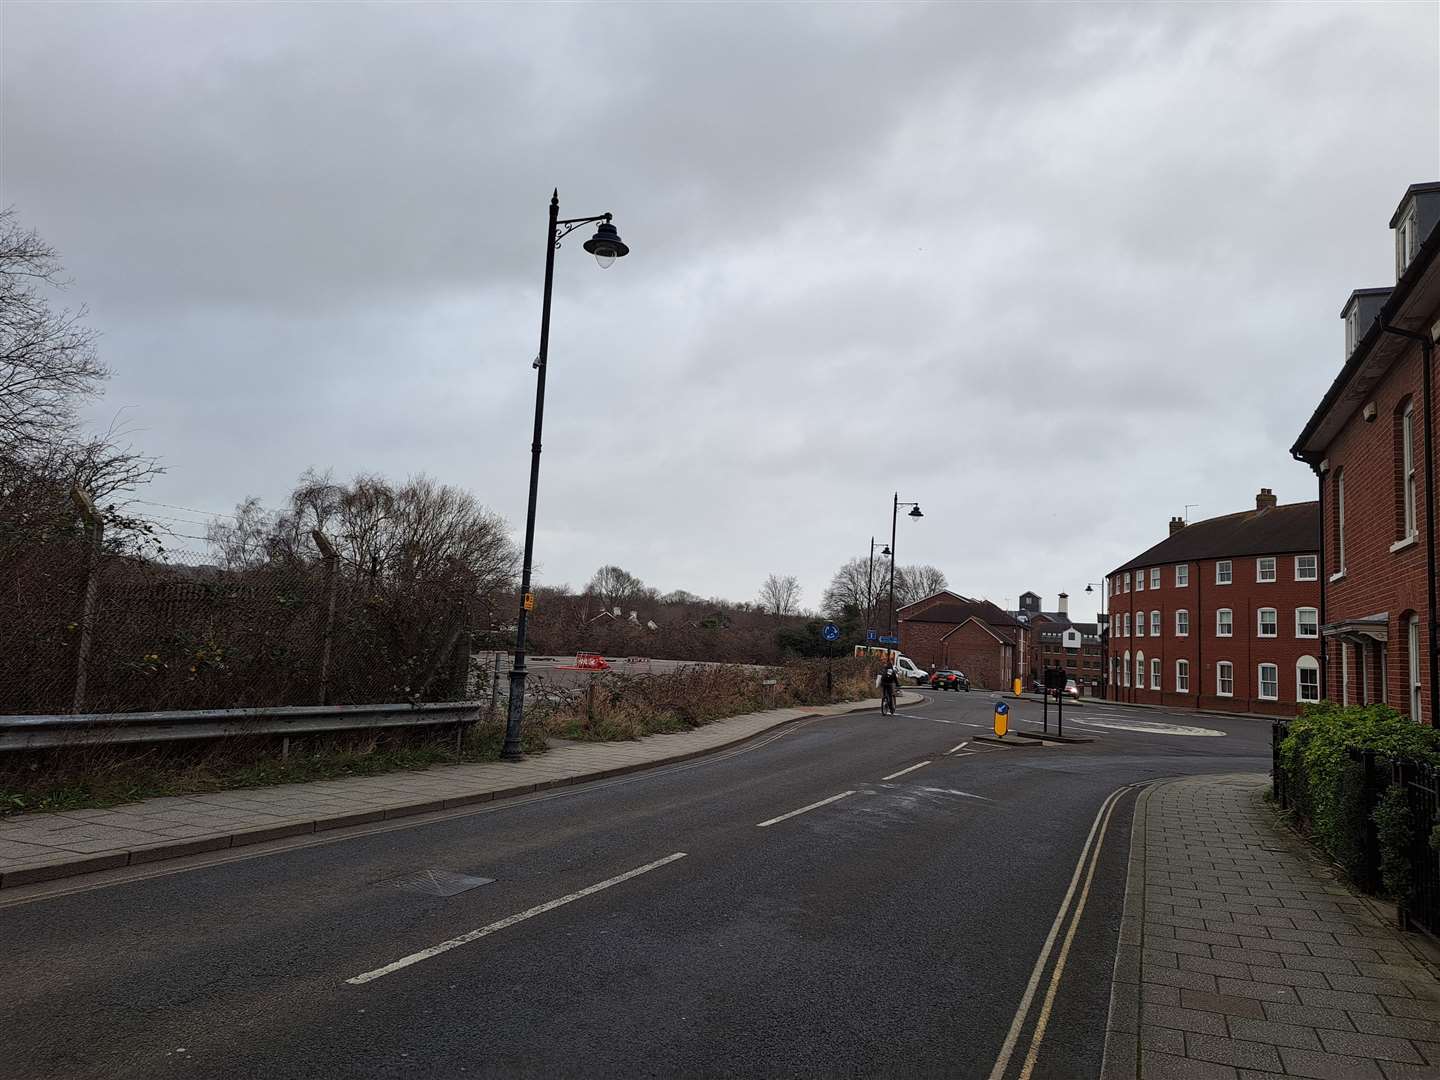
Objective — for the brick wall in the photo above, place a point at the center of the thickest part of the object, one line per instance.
(1376, 579)
(988, 663)
(1203, 648)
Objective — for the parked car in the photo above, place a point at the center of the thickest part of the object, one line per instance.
(949, 680)
(1071, 690)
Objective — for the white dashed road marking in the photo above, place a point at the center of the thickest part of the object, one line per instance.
(804, 809)
(902, 772)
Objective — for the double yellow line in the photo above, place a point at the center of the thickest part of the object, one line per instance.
(1084, 867)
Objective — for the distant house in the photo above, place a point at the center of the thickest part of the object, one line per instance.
(1045, 644)
(947, 630)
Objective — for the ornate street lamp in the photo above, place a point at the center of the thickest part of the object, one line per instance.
(606, 246)
(914, 515)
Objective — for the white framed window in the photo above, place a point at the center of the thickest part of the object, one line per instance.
(1155, 673)
(1182, 676)
(1182, 623)
(1406, 242)
(1127, 624)
(1307, 567)
(1344, 674)
(1182, 576)
(1139, 580)
(1224, 622)
(1412, 675)
(1307, 679)
(1154, 624)
(1307, 622)
(1269, 682)
(1225, 679)
(1265, 568)
(1127, 580)
(1139, 670)
(1223, 572)
(1351, 326)
(1109, 587)
(1269, 622)
(1114, 669)
(1155, 578)
(1407, 467)
(1139, 624)
(1126, 668)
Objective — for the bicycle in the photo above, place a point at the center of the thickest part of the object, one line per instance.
(887, 701)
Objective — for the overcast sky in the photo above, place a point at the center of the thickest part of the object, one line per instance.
(1054, 271)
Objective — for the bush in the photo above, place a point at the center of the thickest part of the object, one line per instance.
(1327, 791)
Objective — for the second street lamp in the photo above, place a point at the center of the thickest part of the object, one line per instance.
(894, 516)
(606, 246)
(1103, 632)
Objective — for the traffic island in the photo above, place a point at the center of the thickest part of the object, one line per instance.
(1043, 736)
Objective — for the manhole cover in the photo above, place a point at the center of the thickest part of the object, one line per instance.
(437, 882)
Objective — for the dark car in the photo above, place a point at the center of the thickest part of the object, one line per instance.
(949, 680)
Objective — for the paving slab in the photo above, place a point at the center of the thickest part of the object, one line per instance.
(42, 847)
(1246, 956)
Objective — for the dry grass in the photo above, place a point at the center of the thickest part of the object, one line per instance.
(620, 707)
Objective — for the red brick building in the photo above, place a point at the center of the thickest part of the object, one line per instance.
(1371, 443)
(953, 631)
(1045, 644)
(1223, 614)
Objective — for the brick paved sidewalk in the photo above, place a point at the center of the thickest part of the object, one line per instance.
(1243, 958)
(40, 847)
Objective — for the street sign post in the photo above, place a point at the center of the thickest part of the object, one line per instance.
(1002, 719)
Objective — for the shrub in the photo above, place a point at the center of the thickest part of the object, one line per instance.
(1326, 786)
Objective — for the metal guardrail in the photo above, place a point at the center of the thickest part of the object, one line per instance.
(43, 732)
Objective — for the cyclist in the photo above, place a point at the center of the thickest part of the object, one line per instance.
(889, 681)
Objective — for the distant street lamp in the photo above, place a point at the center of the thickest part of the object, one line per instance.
(606, 246)
(1104, 635)
(870, 590)
(894, 516)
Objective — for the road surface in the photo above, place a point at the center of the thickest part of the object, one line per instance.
(849, 896)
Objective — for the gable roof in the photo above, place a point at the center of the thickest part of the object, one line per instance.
(983, 625)
(959, 612)
(1275, 530)
(954, 596)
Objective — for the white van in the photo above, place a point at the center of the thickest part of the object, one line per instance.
(908, 669)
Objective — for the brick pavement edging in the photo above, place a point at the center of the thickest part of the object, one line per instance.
(43, 847)
(1241, 957)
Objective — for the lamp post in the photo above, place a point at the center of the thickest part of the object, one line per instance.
(870, 590)
(1104, 639)
(606, 246)
(895, 516)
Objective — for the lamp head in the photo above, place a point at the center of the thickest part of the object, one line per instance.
(915, 512)
(606, 245)
(885, 550)
(1089, 588)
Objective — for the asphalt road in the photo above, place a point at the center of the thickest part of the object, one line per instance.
(894, 929)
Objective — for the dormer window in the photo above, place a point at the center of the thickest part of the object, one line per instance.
(1407, 240)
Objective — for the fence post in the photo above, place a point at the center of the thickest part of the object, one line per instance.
(95, 537)
(1400, 774)
(1370, 796)
(327, 632)
(1278, 731)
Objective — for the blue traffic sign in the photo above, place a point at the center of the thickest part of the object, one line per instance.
(831, 632)
(889, 639)
(870, 635)
(1002, 708)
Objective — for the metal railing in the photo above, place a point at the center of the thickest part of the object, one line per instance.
(46, 732)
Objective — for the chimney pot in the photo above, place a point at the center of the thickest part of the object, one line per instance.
(1176, 524)
(1265, 500)
(1064, 603)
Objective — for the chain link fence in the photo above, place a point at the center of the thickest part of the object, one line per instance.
(84, 628)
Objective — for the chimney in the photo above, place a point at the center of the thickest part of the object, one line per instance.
(617, 611)
(1064, 603)
(1265, 500)
(1176, 524)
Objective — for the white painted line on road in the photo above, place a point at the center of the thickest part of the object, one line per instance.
(485, 931)
(936, 719)
(804, 809)
(960, 747)
(902, 772)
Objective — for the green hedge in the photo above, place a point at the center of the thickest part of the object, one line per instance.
(1326, 788)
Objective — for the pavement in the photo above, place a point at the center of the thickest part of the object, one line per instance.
(1241, 956)
(42, 847)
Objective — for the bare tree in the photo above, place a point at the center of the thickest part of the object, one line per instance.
(780, 595)
(914, 583)
(854, 586)
(614, 587)
(48, 363)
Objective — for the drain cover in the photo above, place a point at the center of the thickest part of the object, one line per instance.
(437, 882)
